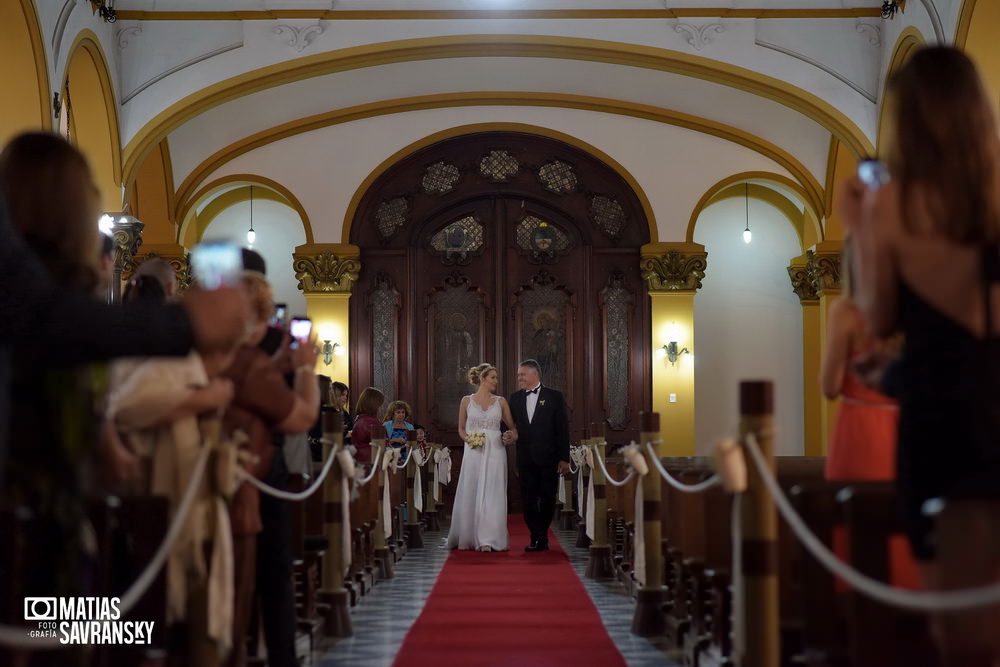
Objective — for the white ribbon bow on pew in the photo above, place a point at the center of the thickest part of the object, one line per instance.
(389, 460)
(418, 484)
(634, 458)
(442, 470)
(579, 457)
(590, 493)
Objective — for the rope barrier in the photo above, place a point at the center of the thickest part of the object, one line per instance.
(607, 476)
(967, 598)
(16, 637)
(376, 460)
(288, 495)
(703, 485)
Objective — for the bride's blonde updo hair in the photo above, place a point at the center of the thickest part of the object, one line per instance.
(477, 372)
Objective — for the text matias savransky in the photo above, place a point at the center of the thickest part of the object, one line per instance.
(85, 621)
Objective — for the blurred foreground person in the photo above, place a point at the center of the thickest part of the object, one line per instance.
(928, 249)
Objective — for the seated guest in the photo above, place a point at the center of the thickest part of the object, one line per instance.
(160, 405)
(928, 251)
(863, 446)
(367, 427)
(262, 402)
(341, 395)
(397, 426)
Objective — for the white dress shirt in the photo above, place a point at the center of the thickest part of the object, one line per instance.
(531, 401)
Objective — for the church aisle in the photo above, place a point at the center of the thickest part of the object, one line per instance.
(509, 608)
(382, 620)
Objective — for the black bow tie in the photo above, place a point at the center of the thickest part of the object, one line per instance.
(532, 391)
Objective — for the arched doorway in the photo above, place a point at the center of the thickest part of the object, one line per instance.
(499, 246)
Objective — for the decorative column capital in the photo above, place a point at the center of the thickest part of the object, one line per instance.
(323, 268)
(126, 232)
(672, 267)
(823, 265)
(802, 285)
(173, 254)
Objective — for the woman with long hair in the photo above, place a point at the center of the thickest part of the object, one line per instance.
(928, 246)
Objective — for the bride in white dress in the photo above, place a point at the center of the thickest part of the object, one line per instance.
(479, 518)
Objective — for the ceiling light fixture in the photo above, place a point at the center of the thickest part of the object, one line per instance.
(251, 235)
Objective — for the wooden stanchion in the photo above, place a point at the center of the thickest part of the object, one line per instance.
(582, 541)
(431, 521)
(650, 619)
(414, 532)
(760, 534)
(567, 517)
(333, 593)
(383, 555)
(599, 565)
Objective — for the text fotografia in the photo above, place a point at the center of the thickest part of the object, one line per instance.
(84, 621)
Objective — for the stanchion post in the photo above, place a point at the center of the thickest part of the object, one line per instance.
(333, 593)
(414, 535)
(567, 516)
(599, 565)
(650, 619)
(383, 555)
(760, 534)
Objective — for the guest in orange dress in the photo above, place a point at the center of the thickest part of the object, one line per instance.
(863, 446)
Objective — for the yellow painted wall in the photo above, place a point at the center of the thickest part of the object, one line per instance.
(330, 314)
(814, 428)
(672, 318)
(983, 45)
(151, 197)
(843, 166)
(24, 86)
(95, 120)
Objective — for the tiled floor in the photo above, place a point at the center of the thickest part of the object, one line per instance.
(383, 618)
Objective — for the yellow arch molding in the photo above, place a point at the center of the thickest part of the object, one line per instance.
(90, 42)
(713, 192)
(466, 46)
(352, 208)
(503, 98)
(284, 195)
(768, 196)
(41, 66)
(965, 15)
(909, 40)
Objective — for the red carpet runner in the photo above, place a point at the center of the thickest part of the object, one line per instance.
(508, 608)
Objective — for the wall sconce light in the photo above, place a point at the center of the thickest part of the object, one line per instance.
(331, 350)
(671, 352)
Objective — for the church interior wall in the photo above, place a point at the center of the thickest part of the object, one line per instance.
(672, 165)
(747, 321)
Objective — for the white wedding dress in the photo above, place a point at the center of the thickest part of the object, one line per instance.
(479, 518)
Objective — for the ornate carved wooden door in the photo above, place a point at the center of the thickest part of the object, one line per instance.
(500, 247)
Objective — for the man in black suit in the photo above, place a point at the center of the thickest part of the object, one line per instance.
(542, 449)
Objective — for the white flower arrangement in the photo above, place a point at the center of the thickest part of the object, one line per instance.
(476, 440)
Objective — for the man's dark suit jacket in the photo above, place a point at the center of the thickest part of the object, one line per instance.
(545, 440)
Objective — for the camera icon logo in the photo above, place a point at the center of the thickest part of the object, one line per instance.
(40, 609)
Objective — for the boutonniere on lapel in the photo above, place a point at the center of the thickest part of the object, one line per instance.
(541, 402)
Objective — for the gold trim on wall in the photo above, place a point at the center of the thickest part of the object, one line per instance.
(434, 138)
(185, 212)
(909, 40)
(964, 22)
(502, 98)
(813, 201)
(88, 40)
(466, 46)
(508, 14)
(41, 65)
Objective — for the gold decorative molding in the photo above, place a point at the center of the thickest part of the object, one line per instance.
(128, 238)
(802, 285)
(672, 267)
(824, 271)
(502, 14)
(323, 268)
(173, 254)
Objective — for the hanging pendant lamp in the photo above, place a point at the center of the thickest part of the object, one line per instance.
(251, 235)
(747, 236)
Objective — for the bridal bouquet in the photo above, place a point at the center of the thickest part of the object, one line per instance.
(476, 440)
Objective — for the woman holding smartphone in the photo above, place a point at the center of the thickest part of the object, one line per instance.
(928, 246)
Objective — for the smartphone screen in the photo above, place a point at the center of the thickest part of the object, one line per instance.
(216, 264)
(300, 328)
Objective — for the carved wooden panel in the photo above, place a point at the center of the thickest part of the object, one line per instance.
(384, 302)
(543, 312)
(616, 302)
